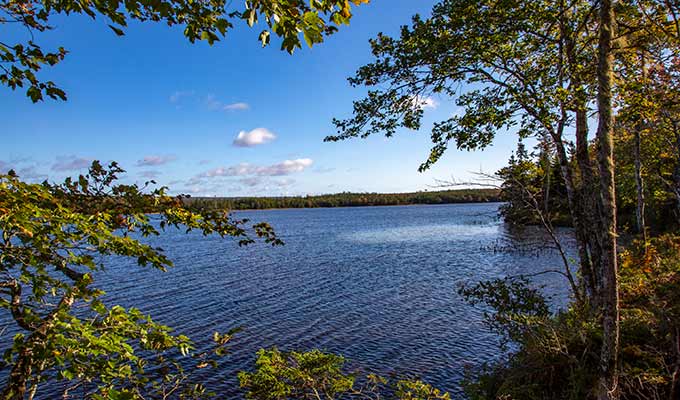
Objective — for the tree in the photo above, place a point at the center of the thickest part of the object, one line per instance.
(528, 67)
(202, 20)
(535, 68)
(54, 240)
(608, 385)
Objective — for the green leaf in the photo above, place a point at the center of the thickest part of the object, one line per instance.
(116, 30)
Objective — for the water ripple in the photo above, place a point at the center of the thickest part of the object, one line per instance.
(377, 285)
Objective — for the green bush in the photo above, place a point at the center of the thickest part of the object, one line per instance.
(318, 375)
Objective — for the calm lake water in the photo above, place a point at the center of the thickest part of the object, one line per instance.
(375, 284)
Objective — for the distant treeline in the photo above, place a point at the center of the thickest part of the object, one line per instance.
(349, 199)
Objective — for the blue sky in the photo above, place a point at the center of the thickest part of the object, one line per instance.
(229, 120)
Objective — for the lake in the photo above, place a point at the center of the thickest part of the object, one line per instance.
(375, 284)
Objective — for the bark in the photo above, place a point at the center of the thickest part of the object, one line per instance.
(26, 363)
(676, 369)
(545, 160)
(586, 204)
(608, 382)
(676, 173)
(579, 227)
(589, 208)
(639, 183)
(639, 186)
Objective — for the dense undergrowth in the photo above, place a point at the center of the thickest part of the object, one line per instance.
(557, 355)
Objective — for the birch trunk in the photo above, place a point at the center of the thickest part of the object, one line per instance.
(608, 382)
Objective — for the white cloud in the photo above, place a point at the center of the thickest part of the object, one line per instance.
(253, 138)
(287, 167)
(213, 103)
(425, 102)
(236, 107)
(251, 181)
(70, 163)
(235, 170)
(153, 161)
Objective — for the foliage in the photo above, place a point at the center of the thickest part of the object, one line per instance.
(348, 200)
(557, 355)
(296, 375)
(55, 238)
(540, 69)
(207, 20)
(497, 61)
(514, 303)
(318, 375)
(650, 103)
(650, 293)
(531, 185)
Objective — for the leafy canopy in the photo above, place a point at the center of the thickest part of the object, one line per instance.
(498, 60)
(55, 238)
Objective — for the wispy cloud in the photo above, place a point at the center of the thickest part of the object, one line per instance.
(284, 183)
(287, 167)
(178, 95)
(5, 167)
(150, 174)
(213, 103)
(27, 171)
(154, 161)
(253, 138)
(237, 107)
(31, 174)
(324, 170)
(70, 163)
(251, 181)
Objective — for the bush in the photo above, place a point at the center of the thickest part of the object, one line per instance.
(318, 375)
(557, 356)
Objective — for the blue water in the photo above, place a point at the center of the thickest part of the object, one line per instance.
(375, 284)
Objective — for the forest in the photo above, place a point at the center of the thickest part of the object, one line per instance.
(348, 200)
(594, 84)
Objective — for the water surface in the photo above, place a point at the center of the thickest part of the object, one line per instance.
(375, 284)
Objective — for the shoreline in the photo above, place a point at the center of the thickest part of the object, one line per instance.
(366, 206)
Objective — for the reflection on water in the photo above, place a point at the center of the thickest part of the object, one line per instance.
(375, 284)
(430, 233)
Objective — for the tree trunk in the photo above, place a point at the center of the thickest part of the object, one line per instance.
(639, 183)
(608, 382)
(547, 170)
(639, 186)
(589, 208)
(574, 209)
(587, 204)
(676, 172)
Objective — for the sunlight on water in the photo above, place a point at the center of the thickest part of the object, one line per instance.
(430, 233)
